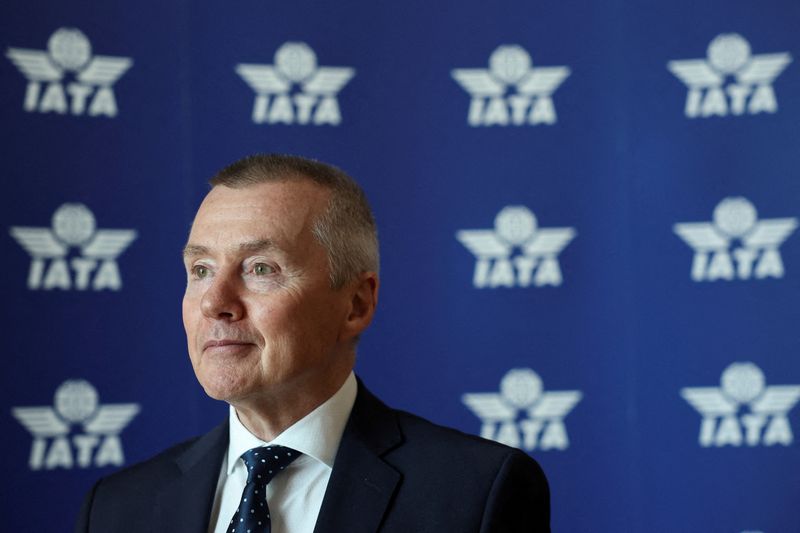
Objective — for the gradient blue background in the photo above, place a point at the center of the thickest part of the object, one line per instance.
(628, 327)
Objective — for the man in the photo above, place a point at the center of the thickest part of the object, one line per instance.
(282, 267)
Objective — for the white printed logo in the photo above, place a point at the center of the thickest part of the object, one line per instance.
(736, 220)
(763, 409)
(76, 402)
(522, 415)
(69, 51)
(73, 226)
(515, 226)
(295, 64)
(729, 56)
(528, 103)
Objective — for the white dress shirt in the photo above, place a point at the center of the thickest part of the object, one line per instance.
(295, 496)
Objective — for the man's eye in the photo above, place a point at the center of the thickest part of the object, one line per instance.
(200, 272)
(262, 269)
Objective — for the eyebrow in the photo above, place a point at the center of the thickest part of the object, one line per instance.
(260, 245)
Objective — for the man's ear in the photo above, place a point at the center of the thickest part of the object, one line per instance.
(363, 301)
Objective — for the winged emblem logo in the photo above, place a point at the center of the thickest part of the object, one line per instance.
(523, 414)
(76, 404)
(736, 244)
(73, 226)
(743, 410)
(730, 80)
(511, 91)
(517, 252)
(67, 78)
(295, 89)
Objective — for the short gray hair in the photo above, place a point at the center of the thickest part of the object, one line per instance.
(346, 229)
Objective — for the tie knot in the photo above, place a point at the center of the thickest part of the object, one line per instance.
(265, 462)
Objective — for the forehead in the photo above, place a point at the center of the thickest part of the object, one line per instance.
(282, 212)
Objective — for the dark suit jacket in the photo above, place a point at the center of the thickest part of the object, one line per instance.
(394, 472)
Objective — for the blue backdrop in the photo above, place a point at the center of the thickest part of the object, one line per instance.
(587, 213)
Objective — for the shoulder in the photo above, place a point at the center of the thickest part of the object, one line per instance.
(443, 444)
(451, 479)
(403, 433)
(128, 500)
(138, 475)
(406, 437)
(504, 489)
(123, 501)
(142, 479)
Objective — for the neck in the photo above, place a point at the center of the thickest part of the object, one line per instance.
(269, 415)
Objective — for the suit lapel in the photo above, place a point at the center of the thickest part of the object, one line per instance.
(185, 503)
(362, 484)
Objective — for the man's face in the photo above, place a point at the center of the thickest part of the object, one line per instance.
(260, 316)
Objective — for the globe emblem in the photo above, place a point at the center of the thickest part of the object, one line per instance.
(515, 224)
(521, 387)
(73, 223)
(728, 52)
(296, 61)
(76, 400)
(509, 63)
(735, 216)
(69, 48)
(742, 382)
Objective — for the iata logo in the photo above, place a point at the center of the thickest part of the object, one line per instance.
(76, 403)
(69, 57)
(295, 90)
(743, 411)
(522, 415)
(731, 80)
(516, 228)
(736, 244)
(511, 91)
(73, 226)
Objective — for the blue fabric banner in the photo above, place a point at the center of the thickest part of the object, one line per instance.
(588, 218)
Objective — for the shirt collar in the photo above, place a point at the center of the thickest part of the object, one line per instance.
(317, 434)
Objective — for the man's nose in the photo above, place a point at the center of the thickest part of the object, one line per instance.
(222, 300)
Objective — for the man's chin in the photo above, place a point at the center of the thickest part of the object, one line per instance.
(225, 388)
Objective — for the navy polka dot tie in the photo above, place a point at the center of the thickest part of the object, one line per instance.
(263, 464)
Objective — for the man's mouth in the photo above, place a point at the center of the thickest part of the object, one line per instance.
(223, 343)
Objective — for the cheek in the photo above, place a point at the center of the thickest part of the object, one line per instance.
(281, 322)
(321, 321)
(270, 319)
(191, 308)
